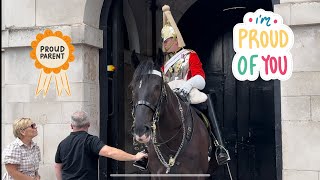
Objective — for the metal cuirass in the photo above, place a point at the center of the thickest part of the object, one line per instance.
(179, 70)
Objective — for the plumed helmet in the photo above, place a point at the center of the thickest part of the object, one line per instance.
(168, 32)
(170, 28)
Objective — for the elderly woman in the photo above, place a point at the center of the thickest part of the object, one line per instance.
(22, 156)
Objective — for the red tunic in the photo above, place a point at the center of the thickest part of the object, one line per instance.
(195, 66)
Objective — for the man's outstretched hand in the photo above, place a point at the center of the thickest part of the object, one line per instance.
(140, 155)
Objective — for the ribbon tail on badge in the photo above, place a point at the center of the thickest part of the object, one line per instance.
(43, 83)
(62, 83)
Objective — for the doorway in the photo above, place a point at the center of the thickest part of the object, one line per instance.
(248, 112)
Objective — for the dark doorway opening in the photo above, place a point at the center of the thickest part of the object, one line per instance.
(111, 86)
(115, 115)
(248, 112)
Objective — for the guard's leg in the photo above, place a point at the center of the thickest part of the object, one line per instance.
(221, 153)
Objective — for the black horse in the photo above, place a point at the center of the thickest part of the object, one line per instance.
(176, 137)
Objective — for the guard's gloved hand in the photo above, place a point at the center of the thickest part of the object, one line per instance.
(184, 90)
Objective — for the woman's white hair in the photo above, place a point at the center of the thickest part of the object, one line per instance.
(80, 119)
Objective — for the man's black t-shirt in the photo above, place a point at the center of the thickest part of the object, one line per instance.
(79, 153)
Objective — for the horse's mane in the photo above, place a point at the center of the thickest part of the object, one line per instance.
(141, 71)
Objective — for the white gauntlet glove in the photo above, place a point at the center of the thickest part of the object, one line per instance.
(197, 82)
(185, 89)
(189, 90)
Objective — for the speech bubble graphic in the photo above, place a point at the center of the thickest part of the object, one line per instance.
(262, 44)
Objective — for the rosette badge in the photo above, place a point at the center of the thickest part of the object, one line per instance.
(52, 52)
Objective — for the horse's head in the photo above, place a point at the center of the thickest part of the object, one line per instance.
(147, 86)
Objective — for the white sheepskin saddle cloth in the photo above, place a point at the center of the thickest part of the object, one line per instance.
(196, 96)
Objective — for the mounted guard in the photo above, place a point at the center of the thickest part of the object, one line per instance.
(183, 72)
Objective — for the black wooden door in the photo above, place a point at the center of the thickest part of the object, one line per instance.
(115, 96)
(248, 112)
(111, 85)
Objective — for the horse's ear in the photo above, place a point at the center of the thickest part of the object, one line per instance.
(159, 59)
(134, 59)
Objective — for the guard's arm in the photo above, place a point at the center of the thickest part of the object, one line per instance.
(197, 75)
(197, 81)
(194, 82)
(195, 66)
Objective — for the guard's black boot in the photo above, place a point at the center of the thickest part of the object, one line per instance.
(221, 153)
(142, 164)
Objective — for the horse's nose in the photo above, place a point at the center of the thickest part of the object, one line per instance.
(140, 131)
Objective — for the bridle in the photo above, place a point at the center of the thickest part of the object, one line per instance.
(154, 108)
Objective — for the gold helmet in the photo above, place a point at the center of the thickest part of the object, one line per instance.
(168, 32)
(170, 28)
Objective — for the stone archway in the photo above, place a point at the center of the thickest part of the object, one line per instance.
(132, 30)
(178, 7)
(92, 12)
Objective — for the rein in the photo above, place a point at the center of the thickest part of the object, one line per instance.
(155, 119)
(165, 142)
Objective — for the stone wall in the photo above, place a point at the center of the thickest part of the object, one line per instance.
(22, 21)
(301, 93)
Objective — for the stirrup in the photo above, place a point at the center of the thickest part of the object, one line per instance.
(222, 155)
